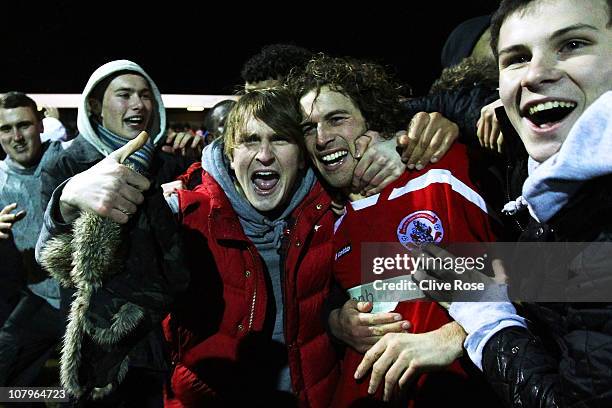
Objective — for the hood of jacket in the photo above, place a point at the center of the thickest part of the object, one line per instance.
(86, 128)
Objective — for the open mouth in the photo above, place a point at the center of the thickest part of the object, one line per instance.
(265, 181)
(20, 148)
(135, 121)
(546, 114)
(334, 159)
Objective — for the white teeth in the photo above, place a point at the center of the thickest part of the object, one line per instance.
(334, 156)
(265, 174)
(550, 105)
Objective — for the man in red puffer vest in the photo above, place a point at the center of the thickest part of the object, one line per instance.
(249, 328)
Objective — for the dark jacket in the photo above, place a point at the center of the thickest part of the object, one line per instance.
(219, 332)
(461, 106)
(150, 275)
(11, 276)
(564, 357)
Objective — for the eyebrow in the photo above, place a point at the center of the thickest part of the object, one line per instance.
(335, 112)
(326, 117)
(574, 27)
(511, 50)
(18, 124)
(558, 33)
(249, 136)
(128, 89)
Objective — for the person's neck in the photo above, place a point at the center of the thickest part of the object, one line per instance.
(270, 215)
(340, 198)
(20, 166)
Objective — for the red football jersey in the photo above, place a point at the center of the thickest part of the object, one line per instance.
(438, 204)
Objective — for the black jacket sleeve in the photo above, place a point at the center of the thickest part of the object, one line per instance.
(525, 371)
(520, 369)
(461, 106)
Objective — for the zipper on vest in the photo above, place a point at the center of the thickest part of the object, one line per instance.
(252, 311)
(285, 245)
(252, 314)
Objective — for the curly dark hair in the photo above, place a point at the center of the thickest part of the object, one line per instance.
(369, 85)
(274, 61)
(471, 71)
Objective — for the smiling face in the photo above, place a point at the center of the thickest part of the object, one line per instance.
(331, 124)
(267, 166)
(555, 59)
(127, 105)
(20, 131)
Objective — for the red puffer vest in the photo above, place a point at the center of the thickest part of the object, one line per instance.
(217, 334)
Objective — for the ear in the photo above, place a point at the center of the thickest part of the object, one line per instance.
(95, 106)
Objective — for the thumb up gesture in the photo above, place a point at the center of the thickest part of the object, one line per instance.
(108, 189)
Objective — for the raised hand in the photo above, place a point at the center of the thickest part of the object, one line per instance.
(8, 218)
(108, 189)
(428, 138)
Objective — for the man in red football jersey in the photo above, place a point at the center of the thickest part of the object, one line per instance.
(340, 100)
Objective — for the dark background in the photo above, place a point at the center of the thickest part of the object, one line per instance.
(199, 48)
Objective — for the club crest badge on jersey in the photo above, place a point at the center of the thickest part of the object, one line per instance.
(420, 227)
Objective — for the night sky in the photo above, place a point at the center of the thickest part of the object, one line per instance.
(195, 49)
